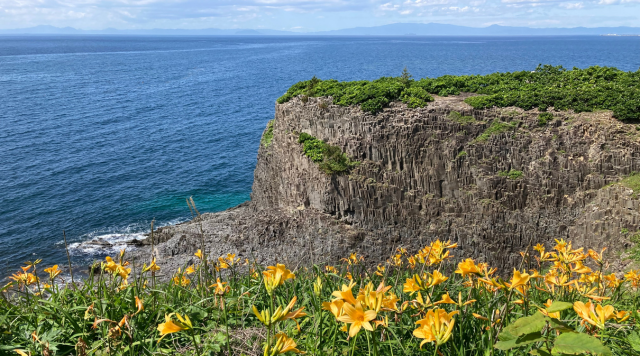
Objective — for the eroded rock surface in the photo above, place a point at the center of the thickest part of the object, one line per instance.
(425, 175)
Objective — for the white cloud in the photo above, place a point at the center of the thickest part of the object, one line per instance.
(313, 14)
(572, 5)
(423, 3)
(389, 7)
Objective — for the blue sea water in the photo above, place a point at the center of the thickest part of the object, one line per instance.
(100, 135)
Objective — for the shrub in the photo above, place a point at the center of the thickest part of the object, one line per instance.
(581, 90)
(330, 159)
(415, 97)
(512, 174)
(544, 118)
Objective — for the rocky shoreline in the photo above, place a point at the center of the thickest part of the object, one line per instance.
(424, 175)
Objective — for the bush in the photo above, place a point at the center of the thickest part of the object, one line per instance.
(330, 159)
(415, 97)
(544, 118)
(581, 90)
(512, 174)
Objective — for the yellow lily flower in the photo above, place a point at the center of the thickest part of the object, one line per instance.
(467, 267)
(612, 281)
(345, 293)
(220, 287)
(283, 345)
(53, 271)
(357, 317)
(170, 326)
(139, 305)
(622, 315)
(274, 276)
(436, 278)
(519, 279)
(335, 307)
(446, 299)
(594, 315)
(437, 326)
(152, 266)
(190, 270)
(198, 254)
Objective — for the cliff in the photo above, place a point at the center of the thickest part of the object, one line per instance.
(494, 180)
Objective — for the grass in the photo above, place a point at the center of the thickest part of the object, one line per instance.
(496, 128)
(330, 159)
(267, 137)
(459, 118)
(512, 174)
(632, 182)
(581, 90)
(232, 306)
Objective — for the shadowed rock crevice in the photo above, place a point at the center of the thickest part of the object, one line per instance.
(517, 183)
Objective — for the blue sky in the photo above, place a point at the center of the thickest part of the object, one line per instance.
(313, 15)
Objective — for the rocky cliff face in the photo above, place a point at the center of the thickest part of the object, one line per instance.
(494, 181)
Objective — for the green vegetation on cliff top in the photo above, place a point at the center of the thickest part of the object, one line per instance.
(580, 90)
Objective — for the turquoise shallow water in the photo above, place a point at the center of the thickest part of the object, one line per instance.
(100, 135)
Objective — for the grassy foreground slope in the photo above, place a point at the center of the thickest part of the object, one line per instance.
(580, 90)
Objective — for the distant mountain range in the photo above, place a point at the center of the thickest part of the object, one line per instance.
(397, 29)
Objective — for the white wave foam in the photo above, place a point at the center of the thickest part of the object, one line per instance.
(111, 241)
(105, 244)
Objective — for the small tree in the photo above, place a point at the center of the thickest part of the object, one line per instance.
(406, 77)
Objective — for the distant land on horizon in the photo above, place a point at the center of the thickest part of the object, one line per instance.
(397, 29)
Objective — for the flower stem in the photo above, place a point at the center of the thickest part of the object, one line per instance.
(353, 349)
(193, 336)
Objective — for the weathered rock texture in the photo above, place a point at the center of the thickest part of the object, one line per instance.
(424, 176)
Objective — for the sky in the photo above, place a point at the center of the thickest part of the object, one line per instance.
(313, 15)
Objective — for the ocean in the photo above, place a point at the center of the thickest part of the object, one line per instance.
(100, 135)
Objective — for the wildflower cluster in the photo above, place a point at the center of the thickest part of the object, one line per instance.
(558, 300)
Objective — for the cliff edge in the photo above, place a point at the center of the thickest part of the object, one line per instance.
(496, 181)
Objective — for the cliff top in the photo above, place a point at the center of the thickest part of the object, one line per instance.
(581, 90)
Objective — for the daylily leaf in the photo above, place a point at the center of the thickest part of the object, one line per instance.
(528, 324)
(579, 344)
(559, 306)
(520, 341)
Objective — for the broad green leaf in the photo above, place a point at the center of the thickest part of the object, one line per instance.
(634, 340)
(561, 326)
(540, 352)
(579, 344)
(520, 341)
(505, 335)
(528, 324)
(559, 306)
